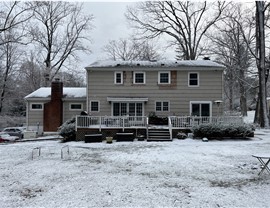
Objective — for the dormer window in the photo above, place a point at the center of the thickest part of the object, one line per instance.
(118, 78)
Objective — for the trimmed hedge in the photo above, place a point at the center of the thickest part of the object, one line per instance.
(219, 131)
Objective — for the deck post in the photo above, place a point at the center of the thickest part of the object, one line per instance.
(123, 123)
(99, 123)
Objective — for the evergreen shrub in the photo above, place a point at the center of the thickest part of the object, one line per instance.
(219, 131)
(156, 120)
(67, 130)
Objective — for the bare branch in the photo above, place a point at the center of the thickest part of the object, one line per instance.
(185, 22)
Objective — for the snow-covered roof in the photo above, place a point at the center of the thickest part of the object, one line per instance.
(68, 92)
(152, 64)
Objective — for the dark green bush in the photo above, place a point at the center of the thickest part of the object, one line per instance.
(219, 131)
(156, 120)
(67, 130)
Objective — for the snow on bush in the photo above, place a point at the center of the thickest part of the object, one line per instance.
(67, 130)
(223, 130)
(181, 135)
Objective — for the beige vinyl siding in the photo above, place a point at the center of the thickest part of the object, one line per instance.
(68, 113)
(101, 85)
(34, 116)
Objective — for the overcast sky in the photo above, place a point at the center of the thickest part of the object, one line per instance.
(110, 24)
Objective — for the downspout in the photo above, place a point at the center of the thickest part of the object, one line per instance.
(170, 127)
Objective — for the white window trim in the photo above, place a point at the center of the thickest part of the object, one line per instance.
(32, 109)
(200, 102)
(198, 77)
(91, 105)
(118, 72)
(163, 72)
(162, 101)
(128, 102)
(75, 104)
(134, 77)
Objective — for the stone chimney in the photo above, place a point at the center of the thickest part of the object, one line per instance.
(53, 110)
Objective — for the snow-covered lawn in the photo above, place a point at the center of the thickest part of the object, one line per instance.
(182, 173)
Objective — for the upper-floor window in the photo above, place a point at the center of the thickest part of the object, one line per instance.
(164, 78)
(75, 106)
(162, 106)
(193, 79)
(139, 78)
(118, 78)
(36, 106)
(94, 106)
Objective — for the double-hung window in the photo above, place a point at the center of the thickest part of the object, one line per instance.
(193, 79)
(139, 78)
(118, 78)
(164, 78)
(162, 106)
(94, 106)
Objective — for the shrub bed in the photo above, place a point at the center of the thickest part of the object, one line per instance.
(156, 120)
(220, 131)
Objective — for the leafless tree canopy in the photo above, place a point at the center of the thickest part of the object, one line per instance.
(231, 50)
(59, 30)
(13, 16)
(38, 38)
(184, 21)
(128, 49)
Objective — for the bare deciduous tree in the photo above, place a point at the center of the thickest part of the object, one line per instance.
(60, 32)
(185, 22)
(130, 49)
(13, 15)
(231, 49)
(261, 7)
(10, 56)
(30, 74)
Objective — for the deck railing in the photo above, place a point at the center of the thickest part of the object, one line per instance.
(174, 122)
(190, 121)
(111, 122)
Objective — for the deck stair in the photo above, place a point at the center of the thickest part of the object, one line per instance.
(159, 135)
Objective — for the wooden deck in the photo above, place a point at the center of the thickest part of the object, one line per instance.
(111, 125)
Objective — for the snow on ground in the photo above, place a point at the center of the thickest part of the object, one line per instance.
(182, 173)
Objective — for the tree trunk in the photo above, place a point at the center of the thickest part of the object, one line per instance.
(242, 91)
(260, 36)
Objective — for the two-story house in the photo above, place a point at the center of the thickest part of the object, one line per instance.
(167, 88)
(122, 94)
